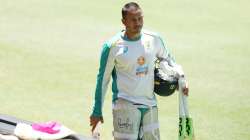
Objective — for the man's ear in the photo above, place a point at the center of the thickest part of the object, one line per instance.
(123, 21)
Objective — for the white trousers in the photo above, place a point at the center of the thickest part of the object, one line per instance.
(132, 122)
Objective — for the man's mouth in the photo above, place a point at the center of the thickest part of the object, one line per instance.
(138, 27)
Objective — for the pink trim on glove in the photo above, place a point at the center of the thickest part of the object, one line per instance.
(48, 127)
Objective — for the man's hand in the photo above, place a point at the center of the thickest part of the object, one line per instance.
(186, 90)
(94, 120)
(183, 85)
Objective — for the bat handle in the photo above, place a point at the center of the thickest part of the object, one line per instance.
(181, 106)
(185, 105)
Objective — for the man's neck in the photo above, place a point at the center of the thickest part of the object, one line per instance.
(132, 36)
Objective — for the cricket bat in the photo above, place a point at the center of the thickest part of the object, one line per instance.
(186, 131)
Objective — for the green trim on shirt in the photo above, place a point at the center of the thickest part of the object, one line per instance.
(98, 92)
(114, 86)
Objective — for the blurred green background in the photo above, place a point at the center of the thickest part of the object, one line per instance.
(49, 57)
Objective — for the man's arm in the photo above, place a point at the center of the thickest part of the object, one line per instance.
(103, 78)
(164, 53)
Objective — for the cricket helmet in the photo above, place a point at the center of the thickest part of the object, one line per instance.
(165, 79)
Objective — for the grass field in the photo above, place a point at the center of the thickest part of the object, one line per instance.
(49, 55)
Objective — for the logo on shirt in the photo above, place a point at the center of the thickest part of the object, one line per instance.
(142, 68)
(122, 50)
(125, 49)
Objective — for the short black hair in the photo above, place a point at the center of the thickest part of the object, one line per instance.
(126, 7)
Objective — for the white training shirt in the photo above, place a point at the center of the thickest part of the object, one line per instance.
(131, 64)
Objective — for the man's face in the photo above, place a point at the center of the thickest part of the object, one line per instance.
(133, 21)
